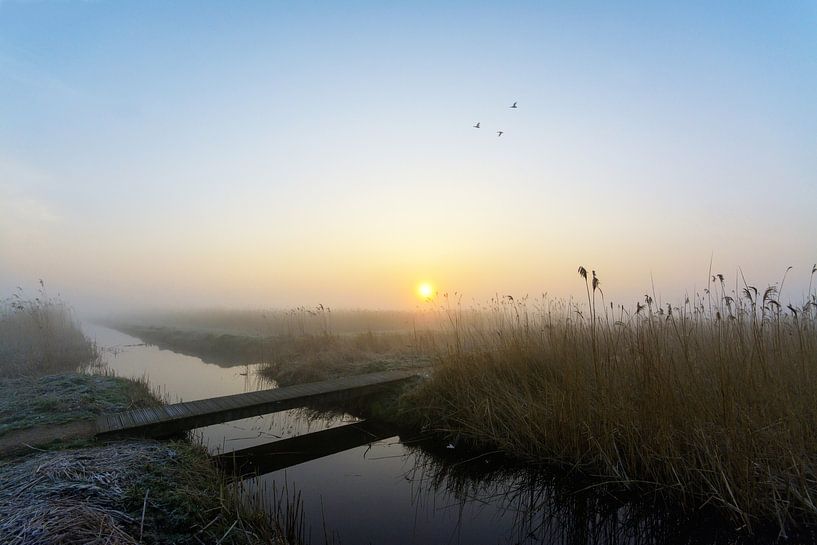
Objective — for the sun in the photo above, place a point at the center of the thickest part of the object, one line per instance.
(425, 290)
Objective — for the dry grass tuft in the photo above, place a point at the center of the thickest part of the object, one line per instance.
(72, 496)
(124, 493)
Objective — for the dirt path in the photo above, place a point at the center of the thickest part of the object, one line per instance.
(20, 441)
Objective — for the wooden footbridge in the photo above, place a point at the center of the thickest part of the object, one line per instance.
(168, 420)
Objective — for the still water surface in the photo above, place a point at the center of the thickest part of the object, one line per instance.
(397, 491)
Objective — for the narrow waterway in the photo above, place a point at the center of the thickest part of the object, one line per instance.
(396, 491)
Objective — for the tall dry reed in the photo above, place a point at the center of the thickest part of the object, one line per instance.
(713, 400)
(40, 336)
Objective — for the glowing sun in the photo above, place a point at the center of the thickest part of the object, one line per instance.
(425, 290)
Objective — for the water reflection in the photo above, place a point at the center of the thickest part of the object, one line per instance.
(538, 507)
(178, 377)
(284, 453)
(418, 492)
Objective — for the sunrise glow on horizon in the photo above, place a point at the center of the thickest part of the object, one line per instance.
(276, 155)
(425, 290)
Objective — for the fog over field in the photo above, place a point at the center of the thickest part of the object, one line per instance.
(275, 155)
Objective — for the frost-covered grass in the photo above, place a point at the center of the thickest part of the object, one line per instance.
(124, 493)
(57, 399)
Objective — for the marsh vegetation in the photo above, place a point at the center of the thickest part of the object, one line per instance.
(711, 401)
(40, 335)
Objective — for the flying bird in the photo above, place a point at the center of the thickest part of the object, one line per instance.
(477, 125)
(513, 105)
(499, 133)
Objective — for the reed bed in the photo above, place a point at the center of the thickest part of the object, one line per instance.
(713, 401)
(41, 336)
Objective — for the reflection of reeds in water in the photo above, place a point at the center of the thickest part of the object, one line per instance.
(285, 507)
(543, 507)
(288, 513)
(228, 436)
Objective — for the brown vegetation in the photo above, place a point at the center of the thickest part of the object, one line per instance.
(40, 336)
(713, 400)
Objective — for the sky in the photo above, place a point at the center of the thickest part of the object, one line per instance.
(274, 154)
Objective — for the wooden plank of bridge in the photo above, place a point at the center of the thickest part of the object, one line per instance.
(284, 453)
(168, 420)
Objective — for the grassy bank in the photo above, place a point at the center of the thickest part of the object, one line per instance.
(127, 492)
(77, 490)
(60, 485)
(713, 401)
(58, 399)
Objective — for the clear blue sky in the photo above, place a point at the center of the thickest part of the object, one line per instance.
(264, 153)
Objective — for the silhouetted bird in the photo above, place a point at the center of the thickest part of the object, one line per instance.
(513, 105)
(477, 125)
(499, 133)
